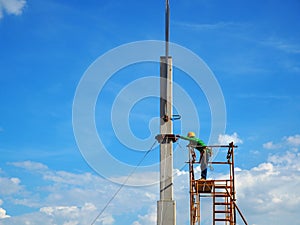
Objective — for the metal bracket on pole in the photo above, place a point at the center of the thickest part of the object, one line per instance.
(166, 138)
(175, 117)
(165, 118)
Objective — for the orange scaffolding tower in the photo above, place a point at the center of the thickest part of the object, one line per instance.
(222, 191)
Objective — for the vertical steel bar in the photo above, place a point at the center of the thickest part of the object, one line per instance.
(199, 209)
(214, 205)
(191, 187)
(233, 180)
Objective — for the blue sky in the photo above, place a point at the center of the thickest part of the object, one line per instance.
(253, 50)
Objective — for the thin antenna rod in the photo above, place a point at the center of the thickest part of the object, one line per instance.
(164, 75)
(167, 28)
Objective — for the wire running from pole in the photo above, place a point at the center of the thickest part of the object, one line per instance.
(122, 185)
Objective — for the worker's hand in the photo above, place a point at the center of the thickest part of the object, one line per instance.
(177, 135)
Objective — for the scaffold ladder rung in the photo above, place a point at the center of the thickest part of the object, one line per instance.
(222, 219)
(222, 203)
(222, 211)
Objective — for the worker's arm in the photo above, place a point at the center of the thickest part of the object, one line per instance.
(193, 139)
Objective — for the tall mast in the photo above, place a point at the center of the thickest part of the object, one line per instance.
(167, 27)
(166, 209)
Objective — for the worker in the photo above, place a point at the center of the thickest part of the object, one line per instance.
(205, 152)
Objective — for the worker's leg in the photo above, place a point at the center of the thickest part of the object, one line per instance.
(203, 174)
(204, 164)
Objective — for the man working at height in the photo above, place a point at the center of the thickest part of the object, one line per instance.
(205, 152)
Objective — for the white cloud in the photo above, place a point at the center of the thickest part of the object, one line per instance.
(106, 220)
(271, 145)
(3, 213)
(62, 195)
(270, 189)
(71, 223)
(226, 139)
(293, 140)
(290, 142)
(283, 45)
(29, 165)
(60, 210)
(147, 219)
(138, 178)
(15, 180)
(64, 177)
(14, 7)
(65, 215)
(9, 186)
(73, 215)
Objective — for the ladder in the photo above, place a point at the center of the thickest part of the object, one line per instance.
(194, 197)
(223, 204)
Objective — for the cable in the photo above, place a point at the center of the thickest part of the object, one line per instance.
(122, 185)
(188, 154)
(180, 146)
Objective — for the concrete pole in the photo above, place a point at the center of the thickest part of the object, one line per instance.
(166, 208)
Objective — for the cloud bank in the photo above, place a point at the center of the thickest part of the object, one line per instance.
(266, 193)
(11, 7)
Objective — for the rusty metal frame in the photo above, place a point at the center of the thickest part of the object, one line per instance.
(222, 191)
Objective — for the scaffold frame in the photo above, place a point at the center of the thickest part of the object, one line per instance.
(222, 191)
